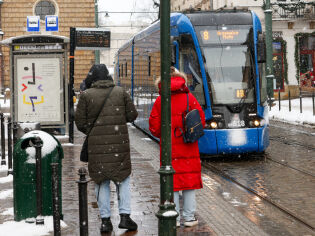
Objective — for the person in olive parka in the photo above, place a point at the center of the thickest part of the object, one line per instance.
(108, 142)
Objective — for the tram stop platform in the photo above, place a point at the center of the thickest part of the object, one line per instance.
(216, 216)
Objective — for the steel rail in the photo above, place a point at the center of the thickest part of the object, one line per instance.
(291, 142)
(267, 199)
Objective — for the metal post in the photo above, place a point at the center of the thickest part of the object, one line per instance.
(269, 62)
(71, 81)
(10, 171)
(96, 52)
(55, 198)
(301, 109)
(313, 104)
(289, 100)
(167, 222)
(83, 207)
(39, 195)
(3, 161)
(15, 128)
(279, 99)
(270, 103)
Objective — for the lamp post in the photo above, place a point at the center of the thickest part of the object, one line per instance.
(166, 214)
(96, 52)
(269, 62)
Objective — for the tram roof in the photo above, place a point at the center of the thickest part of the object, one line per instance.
(200, 18)
(224, 17)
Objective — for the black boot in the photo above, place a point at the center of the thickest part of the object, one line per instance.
(127, 223)
(106, 225)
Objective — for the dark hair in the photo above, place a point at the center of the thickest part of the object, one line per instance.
(97, 72)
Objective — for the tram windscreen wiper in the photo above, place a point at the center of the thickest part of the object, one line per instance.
(194, 73)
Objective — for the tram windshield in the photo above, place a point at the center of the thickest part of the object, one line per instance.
(229, 72)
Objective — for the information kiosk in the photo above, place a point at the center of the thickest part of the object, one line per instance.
(39, 86)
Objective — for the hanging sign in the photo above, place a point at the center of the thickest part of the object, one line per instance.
(33, 24)
(92, 38)
(51, 23)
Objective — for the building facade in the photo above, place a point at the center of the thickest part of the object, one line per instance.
(76, 13)
(293, 26)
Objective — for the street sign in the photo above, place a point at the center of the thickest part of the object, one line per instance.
(92, 39)
(33, 24)
(51, 23)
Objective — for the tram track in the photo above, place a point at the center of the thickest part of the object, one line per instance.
(291, 167)
(267, 199)
(287, 141)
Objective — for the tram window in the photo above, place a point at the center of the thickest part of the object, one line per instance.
(189, 64)
(122, 70)
(149, 66)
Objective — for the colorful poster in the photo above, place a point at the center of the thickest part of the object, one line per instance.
(39, 90)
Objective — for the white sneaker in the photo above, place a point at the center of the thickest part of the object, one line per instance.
(177, 224)
(191, 223)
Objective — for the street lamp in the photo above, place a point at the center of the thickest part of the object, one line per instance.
(269, 62)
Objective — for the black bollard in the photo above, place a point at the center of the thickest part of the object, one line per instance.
(313, 102)
(301, 110)
(279, 99)
(10, 171)
(39, 196)
(83, 207)
(15, 128)
(3, 161)
(289, 100)
(55, 198)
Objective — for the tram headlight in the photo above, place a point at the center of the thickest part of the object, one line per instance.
(213, 124)
(256, 123)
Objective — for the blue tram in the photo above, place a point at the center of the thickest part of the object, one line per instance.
(223, 55)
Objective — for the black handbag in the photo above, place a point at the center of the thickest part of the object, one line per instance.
(193, 128)
(84, 155)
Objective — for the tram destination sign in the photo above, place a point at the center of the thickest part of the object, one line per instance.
(92, 39)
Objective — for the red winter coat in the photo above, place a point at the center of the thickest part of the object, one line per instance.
(185, 156)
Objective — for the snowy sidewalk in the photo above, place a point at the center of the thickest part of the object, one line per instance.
(294, 117)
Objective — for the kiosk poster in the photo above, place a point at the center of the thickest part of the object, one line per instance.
(39, 90)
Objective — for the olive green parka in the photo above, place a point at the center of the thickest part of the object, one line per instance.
(108, 143)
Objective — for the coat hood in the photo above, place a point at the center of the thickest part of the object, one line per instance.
(178, 82)
(96, 73)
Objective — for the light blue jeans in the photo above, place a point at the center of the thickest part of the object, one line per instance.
(189, 208)
(102, 192)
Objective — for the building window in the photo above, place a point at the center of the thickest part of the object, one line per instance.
(278, 65)
(44, 8)
(307, 61)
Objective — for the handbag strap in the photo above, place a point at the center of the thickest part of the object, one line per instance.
(107, 95)
(187, 110)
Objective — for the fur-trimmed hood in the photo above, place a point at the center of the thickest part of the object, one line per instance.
(178, 81)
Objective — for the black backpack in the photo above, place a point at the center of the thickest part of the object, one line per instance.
(193, 128)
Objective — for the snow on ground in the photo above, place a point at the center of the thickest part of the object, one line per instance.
(14, 228)
(295, 117)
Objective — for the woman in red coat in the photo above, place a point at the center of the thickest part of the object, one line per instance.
(185, 156)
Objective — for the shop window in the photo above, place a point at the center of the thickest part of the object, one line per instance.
(307, 56)
(44, 8)
(278, 66)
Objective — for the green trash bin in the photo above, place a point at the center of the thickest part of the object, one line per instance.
(24, 174)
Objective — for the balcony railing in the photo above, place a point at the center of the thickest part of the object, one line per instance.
(293, 10)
